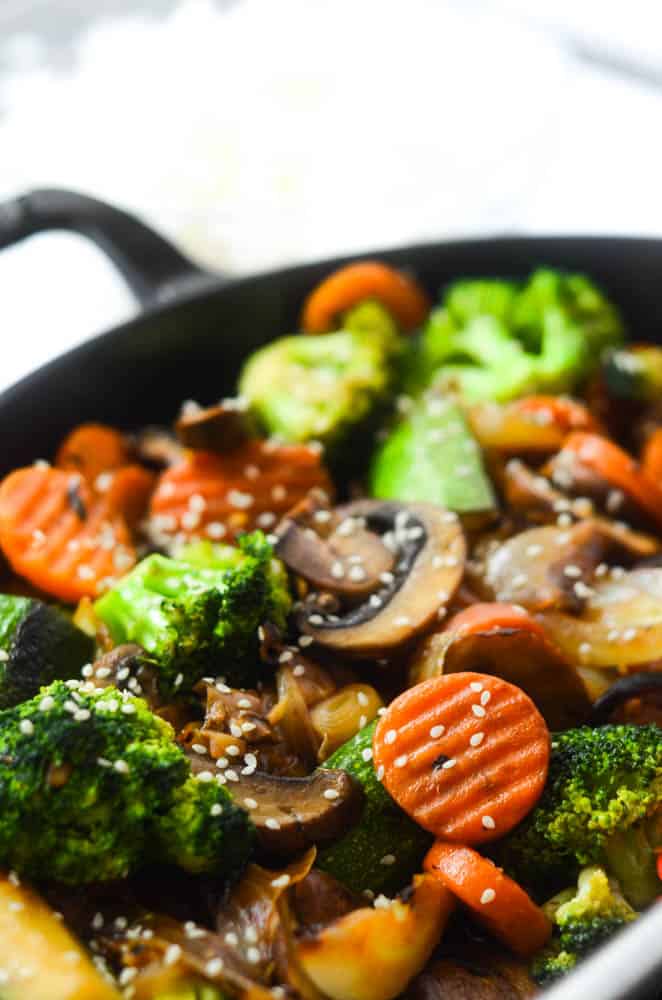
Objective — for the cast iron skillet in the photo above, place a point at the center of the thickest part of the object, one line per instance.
(197, 327)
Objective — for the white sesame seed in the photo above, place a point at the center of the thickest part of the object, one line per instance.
(244, 703)
(250, 803)
(390, 736)
(629, 634)
(216, 809)
(331, 794)
(476, 686)
(305, 640)
(401, 760)
(253, 955)
(286, 656)
(362, 698)
(281, 882)
(585, 649)
(26, 727)
(388, 859)
(299, 670)
(121, 767)
(104, 762)
(87, 670)
(478, 711)
(366, 754)
(235, 729)
(437, 731)
(380, 772)
(485, 697)
(248, 727)
(572, 571)
(533, 550)
(448, 764)
(337, 570)
(402, 621)
(488, 896)
(199, 748)
(231, 939)
(214, 966)
(232, 750)
(520, 580)
(272, 824)
(477, 739)
(316, 620)
(488, 822)
(204, 776)
(97, 921)
(357, 574)
(386, 577)
(172, 954)
(82, 715)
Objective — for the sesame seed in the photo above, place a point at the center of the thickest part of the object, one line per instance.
(448, 764)
(572, 571)
(97, 921)
(401, 760)
(86, 671)
(357, 574)
(316, 619)
(272, 824)
(26, 727)
(204, 776)
(391, 736)
(299, 670)
(485, 697)
(386, 577)
(331, 794)
(128, 708)
(382, 902)
(244, 703)
(585, 649)
(248, 727)
(82, 715)
(629, 634)
(216, 809)
(437, 731)
(476, 686)
(488, 822)
(478, 711)
(366, 754)
(388, 859)
(520, 580)
(231, 775)
(533, 550)
(199, 748)
(213, 966)
(402, 620)
(121, 767)
(233, 750)
(337, 570)
(172, 954)
(103, 672)
(281, 882)
(235, 729)
(104, 762)
(380, 772)
(215, 529)
(126, 975)
(305, 640)
(362, 698)
(477, 739)
(253, 955)
(488, 896)
(286, 656)
(250, 803)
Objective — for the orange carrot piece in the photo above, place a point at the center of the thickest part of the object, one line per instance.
(558, 411)
(465, 755)
(651, 461)
(218, 496)
(497, 901)
(618, 468)
(59, 535)
(92, 449)
(128, 491)
(486, 615)
(367, 279)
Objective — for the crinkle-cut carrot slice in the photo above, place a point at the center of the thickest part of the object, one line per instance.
(93, 449)
(466, 755)
(61, 536)
(218, 496)
(495, 899)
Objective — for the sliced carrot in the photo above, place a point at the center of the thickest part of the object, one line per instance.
(465, 754)
(128, 491)
(218, 496)
(61, 536)
(652, 458)
(93, 449)
(497, 901)
(367, 279)
(558, 411)
(618, 468)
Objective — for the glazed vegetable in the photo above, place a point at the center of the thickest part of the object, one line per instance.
(339, 717)
(384, 849)
(219, 496)
(602, 783)
(62, 537)
(91, 450)
(584, 918)
(95, 786)
(322, 388)
(498, 340)
(38, 644)
(502, 639)
(39, 957)
(194, 620)
(365, 280)
(432, 456)
(465, 755)
(491, 896)
(633, 373)
(372, 953)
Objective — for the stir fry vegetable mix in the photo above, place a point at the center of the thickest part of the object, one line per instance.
(299, 694)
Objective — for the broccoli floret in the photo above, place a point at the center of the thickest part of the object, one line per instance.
(495, 339)
(584, 918)
(92, 784)
(196, 619)
(602, 783)
(324, 387)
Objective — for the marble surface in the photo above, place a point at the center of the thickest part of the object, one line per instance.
(255, 132)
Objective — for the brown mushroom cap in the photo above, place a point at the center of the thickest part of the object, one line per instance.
(430, 551)
(219, 428)
(309, 810)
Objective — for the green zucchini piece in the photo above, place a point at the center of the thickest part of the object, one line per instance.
(634, 373)
(38, 644)
(361, 858)
(432, 456)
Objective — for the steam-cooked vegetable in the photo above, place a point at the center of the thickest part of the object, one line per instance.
(339, 717)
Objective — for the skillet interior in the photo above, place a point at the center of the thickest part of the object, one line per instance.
(193, 347)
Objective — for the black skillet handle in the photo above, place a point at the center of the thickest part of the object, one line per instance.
(154, 269)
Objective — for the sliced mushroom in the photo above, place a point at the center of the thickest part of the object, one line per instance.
(478, 978)
(518, 651)
(291, 814)
(219, 428)
(319, 899)
(430, 552)
(643, 686)
(312, 543)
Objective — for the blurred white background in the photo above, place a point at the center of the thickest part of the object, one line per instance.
(256, 132)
